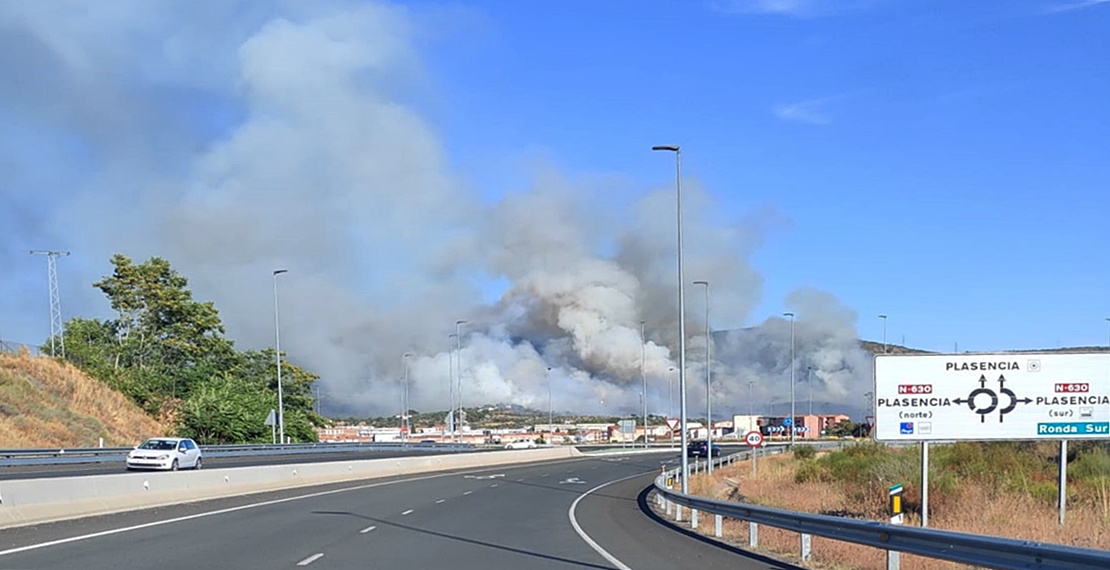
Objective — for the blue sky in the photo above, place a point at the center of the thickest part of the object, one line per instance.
(942, 162)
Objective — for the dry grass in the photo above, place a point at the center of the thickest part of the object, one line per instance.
(45, 403)
(974, 508)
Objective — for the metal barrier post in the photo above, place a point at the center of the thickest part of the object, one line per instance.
(753, 535)
(717, 526)
(693, 518)
(805, 547)
(677, 512)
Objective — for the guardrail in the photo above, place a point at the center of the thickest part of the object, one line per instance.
(18, 457)
(973, 549)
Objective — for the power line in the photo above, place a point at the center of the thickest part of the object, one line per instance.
(56, 326)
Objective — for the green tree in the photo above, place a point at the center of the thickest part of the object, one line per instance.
(167, 352)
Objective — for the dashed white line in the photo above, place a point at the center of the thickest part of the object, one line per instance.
(311, 559)
(494, 485)
(367, 529)
(520, 480)
(545, 475)
(468, 492)
(440, 501)
(408, 512)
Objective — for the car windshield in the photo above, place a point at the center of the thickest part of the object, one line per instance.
(159, 444)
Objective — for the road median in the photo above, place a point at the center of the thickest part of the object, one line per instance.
(36, 501)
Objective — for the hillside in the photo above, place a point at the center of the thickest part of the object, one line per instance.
(44, 403)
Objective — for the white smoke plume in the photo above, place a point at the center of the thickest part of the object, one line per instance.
(319, 161)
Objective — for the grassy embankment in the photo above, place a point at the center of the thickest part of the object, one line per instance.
(45, 403)
(1001, 489)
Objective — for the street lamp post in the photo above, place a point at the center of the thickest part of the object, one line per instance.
(405, 399)
(708, 383)
(643, 380)
(883, 317)
(277, 347)
(751, 401)
(681, 315)
(670, 403)
(792, 427)
(550, 409)
(451, 387)
(809, 381)
(458, 392)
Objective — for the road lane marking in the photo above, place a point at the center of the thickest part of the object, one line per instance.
(468, 492)
(440, 501)
(367, 529)
(206, 514)
(582, 534)
(408, 512)
(492, 486)
(311, 559)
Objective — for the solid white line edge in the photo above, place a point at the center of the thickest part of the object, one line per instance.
(585, 537)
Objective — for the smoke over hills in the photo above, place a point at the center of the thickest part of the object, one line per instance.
(248, 137)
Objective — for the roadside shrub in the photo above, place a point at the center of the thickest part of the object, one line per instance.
(812, 472)
(804, 452)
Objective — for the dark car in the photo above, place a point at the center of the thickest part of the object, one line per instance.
(701, 449)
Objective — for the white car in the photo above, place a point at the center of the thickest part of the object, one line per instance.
(165, 453)
(521, 444)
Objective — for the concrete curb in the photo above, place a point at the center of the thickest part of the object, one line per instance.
(35, 501)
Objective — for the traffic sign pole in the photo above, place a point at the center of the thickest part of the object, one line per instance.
(754, 439)
(924, 484)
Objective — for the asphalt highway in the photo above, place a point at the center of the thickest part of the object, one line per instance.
(580, 513)
(216, 461)
(210, 462)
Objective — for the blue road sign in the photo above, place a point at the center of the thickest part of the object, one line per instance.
(787, 422)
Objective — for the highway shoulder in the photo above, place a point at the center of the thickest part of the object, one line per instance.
(620, 519)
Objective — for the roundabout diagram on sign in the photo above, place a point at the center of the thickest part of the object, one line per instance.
(985, 401)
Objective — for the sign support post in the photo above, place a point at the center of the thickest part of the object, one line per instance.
(754, 439)
(924, 484)
(1063, 499)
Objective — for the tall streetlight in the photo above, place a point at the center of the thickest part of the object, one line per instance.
(451, 386)
(708, 383)
(670, 403)
(791, 426)
(751, 401)
(550, 409)
(643, 380)
(883, 317)
(405, 398)
(681, 314)
(809, 382)
(277, 347)
(458, 392)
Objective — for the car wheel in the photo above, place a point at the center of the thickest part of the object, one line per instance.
(197, 464)
(173, 466)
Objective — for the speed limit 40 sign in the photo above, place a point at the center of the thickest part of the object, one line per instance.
(753, 439)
